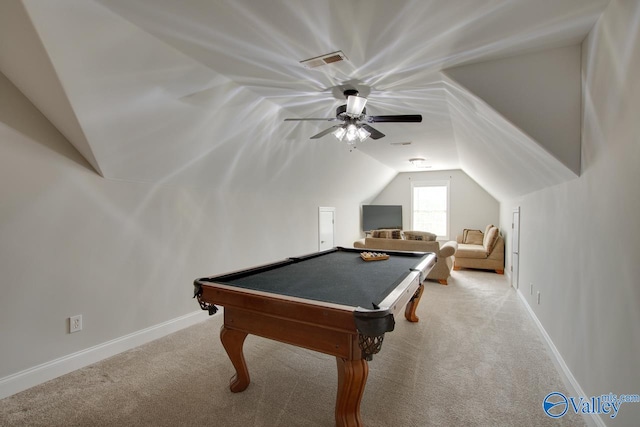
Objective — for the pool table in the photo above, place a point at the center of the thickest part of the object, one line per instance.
(334, 302)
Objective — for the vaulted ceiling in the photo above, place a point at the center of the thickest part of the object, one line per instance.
(144, 87)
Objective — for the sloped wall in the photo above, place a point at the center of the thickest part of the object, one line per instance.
(29, 66)
(516, 121)
(537, 92)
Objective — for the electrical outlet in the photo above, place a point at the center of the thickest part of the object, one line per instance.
(538, 297)
(75, 323)
(531, 288)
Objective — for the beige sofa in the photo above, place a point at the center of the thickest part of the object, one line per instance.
(480, 250)
(444, 254)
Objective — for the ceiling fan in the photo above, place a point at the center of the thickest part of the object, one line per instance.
(355, 122)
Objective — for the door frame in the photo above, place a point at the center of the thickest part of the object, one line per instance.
(515, 247)
(333, 224)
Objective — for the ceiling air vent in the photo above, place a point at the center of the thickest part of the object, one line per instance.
(400, 143)
(329, 58)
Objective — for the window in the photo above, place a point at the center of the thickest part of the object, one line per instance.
(430, 207)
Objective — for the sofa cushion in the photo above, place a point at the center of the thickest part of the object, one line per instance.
(420, 235)
(466, 250)
(490, 239)
(472, 237)
(387, 234)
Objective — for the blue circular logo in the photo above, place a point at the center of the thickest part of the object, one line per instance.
(555, 404)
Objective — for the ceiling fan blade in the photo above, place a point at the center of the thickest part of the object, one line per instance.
(406, 118)
(327, 119)
(324, 132)
(375, 134)
(355, 105)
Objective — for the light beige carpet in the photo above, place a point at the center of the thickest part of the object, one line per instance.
(474, 359)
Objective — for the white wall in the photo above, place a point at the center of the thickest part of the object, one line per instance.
(125, 254)
(580, 241)
(471, 206)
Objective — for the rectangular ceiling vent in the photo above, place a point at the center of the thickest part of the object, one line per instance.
(329, 58)
(400, 143)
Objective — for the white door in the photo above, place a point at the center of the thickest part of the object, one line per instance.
(515, 247)
(326, 223)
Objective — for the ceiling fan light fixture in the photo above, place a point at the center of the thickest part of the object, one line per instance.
(352, 132)
(363, 134)
(354, 118)
(355, 105)
(340, 133)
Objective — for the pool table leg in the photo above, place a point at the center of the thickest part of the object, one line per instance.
(352, 377)
(412, 305)
(232, 340)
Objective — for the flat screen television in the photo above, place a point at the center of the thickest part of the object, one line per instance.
(375, 217)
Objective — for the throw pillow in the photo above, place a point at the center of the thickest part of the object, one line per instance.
(486, 234)
(420, 235)
(491, 238)
(472, 237)
(387, 234)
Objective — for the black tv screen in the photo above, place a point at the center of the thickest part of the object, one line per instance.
(375, 217)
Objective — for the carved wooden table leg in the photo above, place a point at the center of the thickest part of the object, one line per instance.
(352, 378)
(232, 340)
(412, 305)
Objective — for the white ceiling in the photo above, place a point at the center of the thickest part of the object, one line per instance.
(108, 72)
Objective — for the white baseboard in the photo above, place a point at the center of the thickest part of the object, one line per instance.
(570, 381)
(39, 374)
